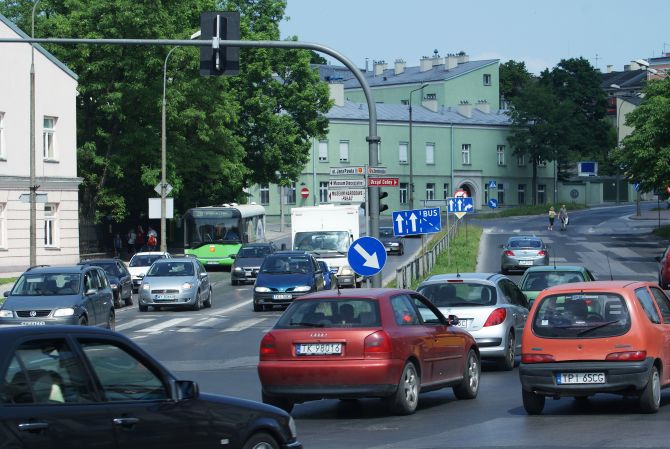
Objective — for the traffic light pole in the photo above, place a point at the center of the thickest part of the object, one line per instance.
(372, 138)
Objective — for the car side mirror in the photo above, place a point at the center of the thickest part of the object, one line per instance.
(91, 291)
(203, 275)
(141, 275)
(183, 390)
(452, 320)
(233, 256)
(6, 294)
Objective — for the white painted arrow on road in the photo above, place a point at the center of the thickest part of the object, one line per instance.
(412, 218)
(400, 222)
(371, 260)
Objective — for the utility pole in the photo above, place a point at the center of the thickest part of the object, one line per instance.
(33, 182)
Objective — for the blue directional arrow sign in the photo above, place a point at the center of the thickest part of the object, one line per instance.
(460, 205)
(493, 203)
(367, 256)
(417, 221)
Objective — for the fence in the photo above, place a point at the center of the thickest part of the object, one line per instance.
(420, 266)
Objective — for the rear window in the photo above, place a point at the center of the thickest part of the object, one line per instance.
(525, 243)
(592, 315)
(455, 294)
(253, 252)
(143, 261)
(539, 280)
(330, 313)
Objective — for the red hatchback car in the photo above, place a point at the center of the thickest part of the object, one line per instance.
(385, 343)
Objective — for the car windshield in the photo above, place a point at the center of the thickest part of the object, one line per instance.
(322, 241)
(144, 260)
(49, 284)
(110, 268)
(171, 269)
(285, 264)
(253, 252)
(581, 315)
(331, 312)
(525, 243)
(386, 232)
(539, 280)
(463, 294)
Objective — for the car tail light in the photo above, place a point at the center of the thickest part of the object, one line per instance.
(269, 345)
(537, 358)
(377, 342)
(627, 356)
(509, 253)
(541, 253)
(496, 317)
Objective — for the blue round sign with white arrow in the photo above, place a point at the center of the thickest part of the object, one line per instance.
(367, 256)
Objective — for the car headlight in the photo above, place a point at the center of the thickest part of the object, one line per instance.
(347, 271)
(292, 428)
(302, 288)
(187, 286)
(238, 269)
(261, 289)
(114, 286)
(394, 244)
(146, 287)
(6, 314)
(64, 312)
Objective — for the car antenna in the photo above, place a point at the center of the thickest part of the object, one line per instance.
(609, 266)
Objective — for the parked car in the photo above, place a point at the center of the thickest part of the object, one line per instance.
(392, 244)
(521, 252)
(329, 276)
(664, 269)
(75, 294)
(175, 282)
(537, 278)
(119, 279)
(597, 337)
(385, 343)
(67, 385)
(139, 265)
(284, 276)
(488, 305)
(247, 262)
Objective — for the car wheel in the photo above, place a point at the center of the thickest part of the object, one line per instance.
(129, 300)
(532, 402)
(507, 362)
(503, 270)
(198, 302)
(278, 401)
(208, 302)
(406, 397)
(111, 321)
(143, 308)
(83, 321)
(261, 440)
(258, 307)
(650, 398)
(469, 386)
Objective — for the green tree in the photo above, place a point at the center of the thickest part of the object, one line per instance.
(645, 153)
(513, 77)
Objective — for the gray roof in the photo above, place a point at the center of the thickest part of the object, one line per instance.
(38, 47)
(628, 79)
(411, 75)
(387, 112)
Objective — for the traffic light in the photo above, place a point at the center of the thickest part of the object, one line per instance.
(217, 60)
(382, 207)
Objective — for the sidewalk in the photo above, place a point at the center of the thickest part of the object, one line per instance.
(663, 213)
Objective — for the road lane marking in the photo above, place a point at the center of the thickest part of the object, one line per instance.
(133, 323)
(163, 325)
(235, 307)
(198, 325)
(244, 324)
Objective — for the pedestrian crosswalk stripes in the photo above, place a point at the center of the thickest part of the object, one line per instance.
(142, 327)
(244, 325)
(164, 325)
(200, 325)
(133, 323)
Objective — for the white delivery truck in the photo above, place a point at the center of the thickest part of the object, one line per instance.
(327, 231)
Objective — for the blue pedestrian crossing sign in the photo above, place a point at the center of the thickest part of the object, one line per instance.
(493, 184)
(366, 256)
(493, 203)
(417, 221)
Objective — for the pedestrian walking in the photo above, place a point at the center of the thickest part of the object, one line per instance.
(152, 239)
(563, 217)
(130, 239)
(118, 245)
(552, 217)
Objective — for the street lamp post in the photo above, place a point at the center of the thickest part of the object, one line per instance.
(164, 155)
(411, 172)
(280, 188)
(33, 182)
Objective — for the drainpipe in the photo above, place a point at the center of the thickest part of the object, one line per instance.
(314, 197)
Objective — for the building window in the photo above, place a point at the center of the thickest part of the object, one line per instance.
(521, 160)
(404, 102)
(3, 225)
(3, 152)
(403, 193)
(465, 153)
(344, 151)
(540, 194)
(265, 194)
(501, 154)
(522, 194)
(48, 138)
(430, 191)
(487, 79)
(323, 151)
(50, 224)
(501, 194)
(323, 192)
(446, 191)
(430, 153)
(290, 193)
(402, 152)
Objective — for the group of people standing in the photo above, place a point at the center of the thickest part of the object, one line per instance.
(562, 217)
(138, 240)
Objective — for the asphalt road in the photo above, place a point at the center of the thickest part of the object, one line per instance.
(219, 349)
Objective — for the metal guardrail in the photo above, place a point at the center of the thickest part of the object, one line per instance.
(419, 266)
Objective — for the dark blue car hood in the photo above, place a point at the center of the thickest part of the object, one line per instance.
(284, 280)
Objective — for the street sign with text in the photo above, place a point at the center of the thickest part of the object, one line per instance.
(376, 170)
(343, 171)
(337, 184)
(346, 195)
(417, 221)
(383, 182)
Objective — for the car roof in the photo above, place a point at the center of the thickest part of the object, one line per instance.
(556, 268)
(247, 245)
(177, 259)
(56, 269)
(492, 277)
(598, 286)
(290, 253)
(354, 293)
(151, 253)
(524, 237)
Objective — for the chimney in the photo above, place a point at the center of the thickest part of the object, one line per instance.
(465, 109)
(634, 65)
(609, 68)
(430, 102)
(463, 57)
(450, 62)
(484, 106)
(337, 93)
(379, 67)
(436, 59)
(399, 66)
(425, 64)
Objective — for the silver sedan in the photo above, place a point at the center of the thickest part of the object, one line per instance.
(176, 282)
(521, 252)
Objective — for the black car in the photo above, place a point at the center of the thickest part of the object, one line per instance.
(119, 279)
(248, 261)
(69, 386)
(392, 244)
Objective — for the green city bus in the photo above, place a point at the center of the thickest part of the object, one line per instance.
(214, 233)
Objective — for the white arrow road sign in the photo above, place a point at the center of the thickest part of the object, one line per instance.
(370, 259)
(400, 222)
(412, 218)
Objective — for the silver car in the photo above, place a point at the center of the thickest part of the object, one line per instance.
(521, 252)
(175, 282)
(488, 305)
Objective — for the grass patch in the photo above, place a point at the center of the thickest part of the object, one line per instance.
(7, 280)
(540, 209)
(663, 231)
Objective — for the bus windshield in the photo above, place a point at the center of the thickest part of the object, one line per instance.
(320, 241)
(212, 226)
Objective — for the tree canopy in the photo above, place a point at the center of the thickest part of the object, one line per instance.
(513, 77)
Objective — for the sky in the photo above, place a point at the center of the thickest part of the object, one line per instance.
(538, 32)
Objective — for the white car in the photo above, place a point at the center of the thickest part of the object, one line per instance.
(139, 265)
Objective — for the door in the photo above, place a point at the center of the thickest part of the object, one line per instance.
(416, 337)
(48, 400)
(664, 307)
(104, 301)
(203, 276)
(125, 283)
(91, 296)
(319, 280)
(518, 306)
